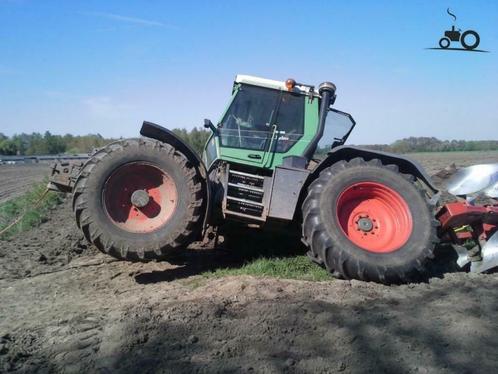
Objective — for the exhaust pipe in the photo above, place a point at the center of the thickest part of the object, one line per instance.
(327, 91)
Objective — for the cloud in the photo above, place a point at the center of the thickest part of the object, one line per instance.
(126, 19)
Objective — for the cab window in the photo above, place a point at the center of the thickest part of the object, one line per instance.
(248, 122)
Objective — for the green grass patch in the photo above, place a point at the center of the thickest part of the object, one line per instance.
(298, 267)
(25, 204)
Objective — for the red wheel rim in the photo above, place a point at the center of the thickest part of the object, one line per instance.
(157, 190)
(374, 217)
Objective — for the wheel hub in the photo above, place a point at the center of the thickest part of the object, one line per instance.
(140, 198)
(365, 224)
(374, 217)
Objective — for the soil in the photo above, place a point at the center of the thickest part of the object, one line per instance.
(65, 307)
(434, 162)
(16, 179)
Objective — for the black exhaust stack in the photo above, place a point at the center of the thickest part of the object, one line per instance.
(327, 91)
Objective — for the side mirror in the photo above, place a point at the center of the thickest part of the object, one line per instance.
(209, 125)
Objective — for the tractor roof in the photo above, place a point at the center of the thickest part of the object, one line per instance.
(276, 85)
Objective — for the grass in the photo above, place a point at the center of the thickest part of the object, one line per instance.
(297, 267)
(25, 204)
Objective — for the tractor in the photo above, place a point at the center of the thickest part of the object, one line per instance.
(275, 160)
(454, 35)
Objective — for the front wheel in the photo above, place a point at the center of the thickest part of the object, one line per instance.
(444, 43)
(139, 200)
(368, 221)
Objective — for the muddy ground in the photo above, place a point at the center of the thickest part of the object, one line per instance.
(17, 179)
(64, 307)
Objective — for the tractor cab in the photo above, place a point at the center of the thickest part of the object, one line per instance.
(267, 121)
(453, 34)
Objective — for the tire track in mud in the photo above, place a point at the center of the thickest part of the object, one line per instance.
(73, 345)
(49, 247)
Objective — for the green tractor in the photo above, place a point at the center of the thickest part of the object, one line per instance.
(276, 159)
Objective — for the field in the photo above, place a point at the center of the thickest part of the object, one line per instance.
(67, 308)
(16, 179)
(434, 162)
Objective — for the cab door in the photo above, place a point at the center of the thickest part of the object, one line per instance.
(247, 130)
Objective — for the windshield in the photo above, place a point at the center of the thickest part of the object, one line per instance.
(256, 112)
(338, 126)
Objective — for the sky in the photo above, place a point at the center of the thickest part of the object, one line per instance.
(105, 66)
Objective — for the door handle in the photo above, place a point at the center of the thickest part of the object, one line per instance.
(254, 156)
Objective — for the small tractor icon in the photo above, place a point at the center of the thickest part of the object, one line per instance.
(456, 35)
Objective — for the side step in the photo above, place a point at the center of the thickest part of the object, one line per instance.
(246, 195)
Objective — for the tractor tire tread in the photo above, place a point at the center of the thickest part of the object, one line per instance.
(336, 260)
(153, 251)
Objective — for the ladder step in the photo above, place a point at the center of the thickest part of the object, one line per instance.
(246, 186)
(248, 202)
(246, 174)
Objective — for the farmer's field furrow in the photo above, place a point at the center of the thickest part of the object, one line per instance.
(17, 179)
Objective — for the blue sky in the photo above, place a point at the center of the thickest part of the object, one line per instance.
(105, 66)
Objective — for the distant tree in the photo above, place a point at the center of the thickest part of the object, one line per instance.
(55, 143)
(196, 138)
(8, 147)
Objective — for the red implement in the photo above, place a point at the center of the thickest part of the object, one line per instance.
(482, 219)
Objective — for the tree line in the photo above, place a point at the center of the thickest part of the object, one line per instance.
(49, 144)
(197, 137)
(46, 144)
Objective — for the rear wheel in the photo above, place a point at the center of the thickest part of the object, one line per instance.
(473, 37)
(365, 220)
(139, 199)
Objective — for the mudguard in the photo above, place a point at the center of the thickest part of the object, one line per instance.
(405, 164)
(153, 131)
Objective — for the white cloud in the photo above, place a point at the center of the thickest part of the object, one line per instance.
(127, 19)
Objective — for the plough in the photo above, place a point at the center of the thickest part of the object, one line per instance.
(471, 228)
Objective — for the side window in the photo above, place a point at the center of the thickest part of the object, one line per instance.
(210, 151)
(289, 121)
(337, 127)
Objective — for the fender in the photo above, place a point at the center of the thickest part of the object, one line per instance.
(153, 131)
(405, 164)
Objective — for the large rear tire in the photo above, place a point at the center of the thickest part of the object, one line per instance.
(476, 42)
(139, 200)
(367, 221)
